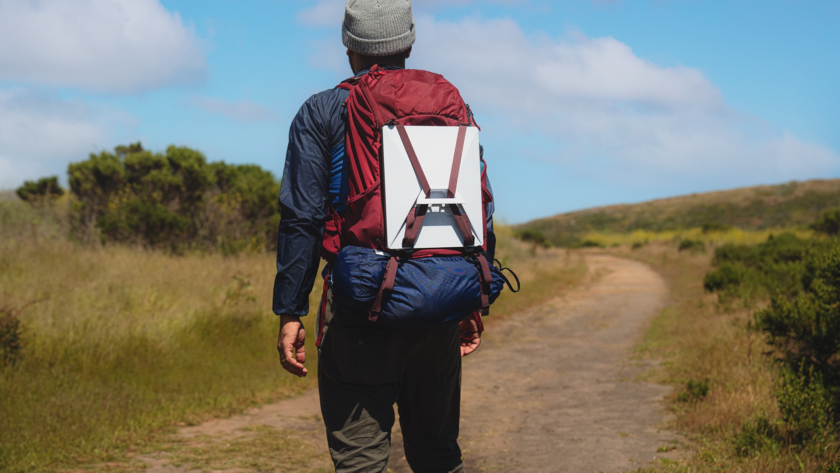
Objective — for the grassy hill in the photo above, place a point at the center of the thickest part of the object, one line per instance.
(749, 208)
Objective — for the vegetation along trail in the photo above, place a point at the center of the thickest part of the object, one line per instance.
(552, 389)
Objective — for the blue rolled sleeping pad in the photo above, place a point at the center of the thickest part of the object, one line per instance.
(428, 292)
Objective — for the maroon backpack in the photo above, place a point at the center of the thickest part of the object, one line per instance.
(402, 97)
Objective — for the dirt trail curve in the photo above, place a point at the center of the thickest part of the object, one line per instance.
(550, 390)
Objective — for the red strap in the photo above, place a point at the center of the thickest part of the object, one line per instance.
(478, 322)
(486, 278)
(463, 224)
(377, 115)
(321, 319)
(415, 163)
(387, 286)
(413, 223)
(456, 160)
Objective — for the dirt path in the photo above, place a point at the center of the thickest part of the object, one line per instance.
(550, 390)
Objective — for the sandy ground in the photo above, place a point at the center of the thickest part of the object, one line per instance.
(550, 390)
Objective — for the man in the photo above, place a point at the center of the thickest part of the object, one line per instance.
(364, 368)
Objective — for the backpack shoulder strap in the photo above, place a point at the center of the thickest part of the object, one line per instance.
(348, 84)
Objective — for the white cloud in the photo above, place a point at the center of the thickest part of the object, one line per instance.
(324, 13)
(497, 61)
(240, 110)
(114, 46)
(40, 134)
(609, 112)
(599, 110)
(328, 13)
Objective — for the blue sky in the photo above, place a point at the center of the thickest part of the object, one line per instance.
(582, 103)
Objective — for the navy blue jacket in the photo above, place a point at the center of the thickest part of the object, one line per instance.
(315, 177)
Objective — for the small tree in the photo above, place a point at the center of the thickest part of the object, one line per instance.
(175, 200)
(828, 223)
(44, 189)
(536, 237)
(806, 328)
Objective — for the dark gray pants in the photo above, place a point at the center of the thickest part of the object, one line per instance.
(363, 369)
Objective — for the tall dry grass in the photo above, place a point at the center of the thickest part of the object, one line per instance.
(125, 342)
(543, 272)
(121, 344)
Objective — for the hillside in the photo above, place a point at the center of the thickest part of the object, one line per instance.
(760, 207)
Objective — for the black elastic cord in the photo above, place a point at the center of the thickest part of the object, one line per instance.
(502, 268)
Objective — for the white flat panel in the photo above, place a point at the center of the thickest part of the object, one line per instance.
(435, 148)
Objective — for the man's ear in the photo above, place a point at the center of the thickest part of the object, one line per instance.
(408, 52)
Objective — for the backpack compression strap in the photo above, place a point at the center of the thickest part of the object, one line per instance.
(386, 287)
(323, 315)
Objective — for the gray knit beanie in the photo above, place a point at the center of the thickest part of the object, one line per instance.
(378, 27)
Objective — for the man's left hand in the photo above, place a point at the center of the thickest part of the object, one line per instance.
(470, 337)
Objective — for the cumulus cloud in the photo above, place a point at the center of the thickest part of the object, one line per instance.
(328, 13)
(240, 110)
(113, 46)
(603, 109)
(599, 110)
(40, 133)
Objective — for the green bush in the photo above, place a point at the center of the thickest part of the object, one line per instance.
(695, 246)
(532, 236)
(716, 227)
(828, 223)
(727, 276)
(44, 189)
(806, 405)
(806, 328)
(802, 325)
(11, 343)
(694, 391)
(589, 244)
(757, 436)
(175, 200)
(774, 266)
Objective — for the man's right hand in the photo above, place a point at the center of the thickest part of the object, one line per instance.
(290, 344)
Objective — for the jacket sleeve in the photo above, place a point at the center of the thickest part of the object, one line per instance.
(304, 194)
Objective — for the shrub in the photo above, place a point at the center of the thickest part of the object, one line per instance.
(726, 277)
(175, 200)
(776, 266)
(44, 189)
(637, 245)
(695, 246)
(828, 223)
(756, 436)
(533, 236)
(11, 343)
(694, 391)
(806, 328)
(806, 405)
(783, 248)
(716, 227)
(590, 244)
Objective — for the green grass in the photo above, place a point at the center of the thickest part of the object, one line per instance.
(795, 204)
